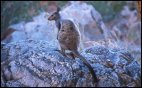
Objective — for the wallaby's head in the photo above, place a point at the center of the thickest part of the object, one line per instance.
(54, 15)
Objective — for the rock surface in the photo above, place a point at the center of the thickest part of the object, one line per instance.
(32, 63)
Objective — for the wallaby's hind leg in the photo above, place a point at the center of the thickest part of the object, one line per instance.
(71, 55)
(62, 51)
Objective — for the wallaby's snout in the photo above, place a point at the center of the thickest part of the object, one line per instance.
(55, 15)
(51, 17)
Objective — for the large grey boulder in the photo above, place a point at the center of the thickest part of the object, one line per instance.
(33, 63)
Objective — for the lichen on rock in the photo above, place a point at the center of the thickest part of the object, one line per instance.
(33, 63)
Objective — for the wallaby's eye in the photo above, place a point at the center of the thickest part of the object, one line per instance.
(62, 30)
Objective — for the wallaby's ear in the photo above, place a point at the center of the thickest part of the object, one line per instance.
(58, 9)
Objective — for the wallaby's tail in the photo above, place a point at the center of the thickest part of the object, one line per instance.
(87, 64)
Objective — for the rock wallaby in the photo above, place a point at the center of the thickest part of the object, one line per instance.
(68, 38)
